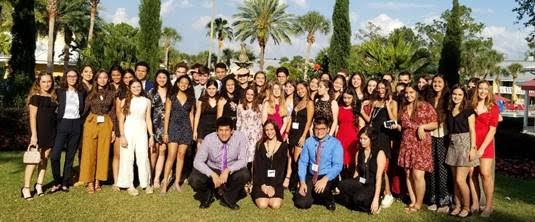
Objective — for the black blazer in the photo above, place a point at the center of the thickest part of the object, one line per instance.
(62, 97)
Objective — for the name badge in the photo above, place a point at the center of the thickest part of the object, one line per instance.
(295, 125)
(362, 180)
(271, 173)
(315, 167)
(100, 119)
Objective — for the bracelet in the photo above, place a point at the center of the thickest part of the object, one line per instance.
(287, 178)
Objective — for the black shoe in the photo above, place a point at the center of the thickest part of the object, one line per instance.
(24, 196)
(224, 203)
(206, 203)
(330, 206)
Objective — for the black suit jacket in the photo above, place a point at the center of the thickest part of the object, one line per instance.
(62, 99)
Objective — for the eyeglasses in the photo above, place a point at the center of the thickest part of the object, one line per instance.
(320, 128)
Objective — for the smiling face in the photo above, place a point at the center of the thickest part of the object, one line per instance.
(269, 129)
(276, 91)
(381, 90)
(281, 76)
(45, 83)
(338, 85)
(183, 84)
(161, 79)
(135, 88)
(230, 86)
(116, 76)
(438, 84)
(141, 72)
(482, 90)
(290, 89)
(320, 130)
(249, 95)
(127, 78)
(410, 94)
(220, 73)
(72, 78)
(260, 79)
(180, 71)
(102, 79)
(372, 84)
(224, 133)
(422, 82)
(356, 81)
(457, 96)
(302, 91)
(314, 85)
(322, 89)
(87, 73)
(211, 90)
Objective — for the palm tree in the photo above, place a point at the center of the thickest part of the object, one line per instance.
(94, 4)
(168, 39)
(52, 11)
(72, 19)
(222, 31)
(309, 24)
(514, 69)
(260, 20)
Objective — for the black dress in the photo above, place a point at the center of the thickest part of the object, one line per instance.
(323, 109)
(382, 139)
(179, 123)
(229, 109)
(357, 195)
(262, 164)
(299, 121)
(207, 122)
(45, 120)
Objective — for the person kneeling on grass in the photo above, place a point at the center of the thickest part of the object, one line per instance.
(320, 162)
(362, 192)
(220, 166)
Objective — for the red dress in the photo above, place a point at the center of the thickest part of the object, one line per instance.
(413, 152)
(483, 123)
(347, 134)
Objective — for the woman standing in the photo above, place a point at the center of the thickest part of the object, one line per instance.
(325, 106)
(462, 148)
(274, 108)
(70, 111)
(120, 89)
(260, 86)
(313, 88)
(42, 103)
(339, 84)
(178, 128)
(367, 107)
(439, 180)
(348, 130)
(289, 95)
(228, 102)
(487, 116)
(357, 80)
(135, 123)
(417, 119)
(98, 133)
(87, 78)
(363, 191)
(270, 173)
(158, 95)
(206, 112)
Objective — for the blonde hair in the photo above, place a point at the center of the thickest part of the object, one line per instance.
(36, 88)
(489, 100)
(271, 100)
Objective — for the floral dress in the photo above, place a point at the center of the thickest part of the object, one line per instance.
(157, 114)
(249, 122)
(415, 153)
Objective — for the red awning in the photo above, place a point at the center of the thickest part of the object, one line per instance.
(498, 97)
(528, 85)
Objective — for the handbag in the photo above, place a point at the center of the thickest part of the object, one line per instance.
(32, 155)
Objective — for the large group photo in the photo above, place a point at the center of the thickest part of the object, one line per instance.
(267, 110)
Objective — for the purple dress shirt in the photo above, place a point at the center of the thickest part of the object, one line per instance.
(210, 154)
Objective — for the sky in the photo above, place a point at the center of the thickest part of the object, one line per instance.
(189, 18)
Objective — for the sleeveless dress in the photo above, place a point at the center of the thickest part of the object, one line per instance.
(207, 122)
(483, 123)
(45, 119)
(276, 116)
(382, 139)
(179, 123)
(249, 123)
(347, 134)
(323, 109)
(135, 132)
(157, 114)
(262, 163)
(229, 109)
(299, 121)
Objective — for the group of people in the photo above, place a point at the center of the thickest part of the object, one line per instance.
(334, 139)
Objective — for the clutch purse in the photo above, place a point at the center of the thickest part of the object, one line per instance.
(32, 155)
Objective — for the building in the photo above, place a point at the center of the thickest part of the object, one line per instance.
(506, 87)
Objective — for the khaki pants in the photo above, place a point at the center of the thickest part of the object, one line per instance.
(95, 149)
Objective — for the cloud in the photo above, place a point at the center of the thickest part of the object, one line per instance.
(385, 22)
(300, 3)
(120, 16)
(353, 16)
(200, 23)
(484, 11)
(398, 5)
(508, 41)
(185, 4)
(167, 7)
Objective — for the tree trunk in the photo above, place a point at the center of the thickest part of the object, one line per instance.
(166, 57)
(261, 61)
(310, 41)
(51, 21)
(67, 37)
(220, 48)
(94, 4)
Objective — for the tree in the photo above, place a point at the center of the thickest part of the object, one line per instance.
(149, 33)
(52, 10)
(514, 70)
(309, 24)
(22, 61)
(168, 39)
(341, 39)
(222, 31)
(260, 20)
(93, 10)
(526, 11)
(5, 25)
(450, 56)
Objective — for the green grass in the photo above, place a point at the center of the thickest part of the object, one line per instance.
(77, 205)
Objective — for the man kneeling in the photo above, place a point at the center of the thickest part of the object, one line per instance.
(319, 164)
(220, 166)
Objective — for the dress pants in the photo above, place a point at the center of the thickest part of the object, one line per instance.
(305, 202)
(95, 149)
(137, 138)
(204, 187)
(68, 133)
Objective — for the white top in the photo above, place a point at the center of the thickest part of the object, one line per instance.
(72, 105)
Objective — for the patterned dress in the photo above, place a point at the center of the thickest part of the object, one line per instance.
(158, 114)
(249, 123)
(323, 109)
(415, 153)
(180, 130)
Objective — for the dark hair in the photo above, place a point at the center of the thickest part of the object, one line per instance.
(388, 90)
(94, 89)
(262, 94)
(189, 91)
(117, 68)
(224, 93)
(404, 73)
(442, 103)
(343, 80)
(464, 104)
(181, 65)
(64, 85)
(345, 71)
(167, 85)
(243, 100)
(355, 105)
(362, 79)
(283, 70)
(297, 98)
(131, 71)
(329, 85)
(368, 95)
(416, 102)
(371, 132)
(264, 135)
(196, 66)
(205, 97)
(142, 63)
(221, 66)
(322, 120)
(129, 95)
(326, 73)
(203, 70)
(224, 121)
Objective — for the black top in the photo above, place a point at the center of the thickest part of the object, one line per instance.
(207, 122)
(459, 123)
(45, 120)
(278, 162)
(367, 168)
(229, 109)
(382, 140)
(300, 120)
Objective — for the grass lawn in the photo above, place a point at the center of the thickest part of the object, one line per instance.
(514, 201)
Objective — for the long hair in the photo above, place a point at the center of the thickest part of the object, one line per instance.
(306, 98)
(254, 103)
(64, 85)
(167, 85)
(442, 102)
(94, 89)
(265, 137)
(204, 99)
(388, 91)
(489, 100)
(224, 93)
(36, 88)
(368, 95)
(464, 103)
(372, 134)
(129, 96)
(329, 85)
(416, 104)
(362, 84)
(355, 105)
(189, 93)
(344, 82)
(260, 90)
(282, 100)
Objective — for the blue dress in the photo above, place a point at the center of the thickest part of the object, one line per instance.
(180, 130)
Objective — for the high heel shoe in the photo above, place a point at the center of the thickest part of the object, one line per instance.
(23, 195)
(38, 189)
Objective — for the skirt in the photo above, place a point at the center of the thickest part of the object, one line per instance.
(458, 151)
